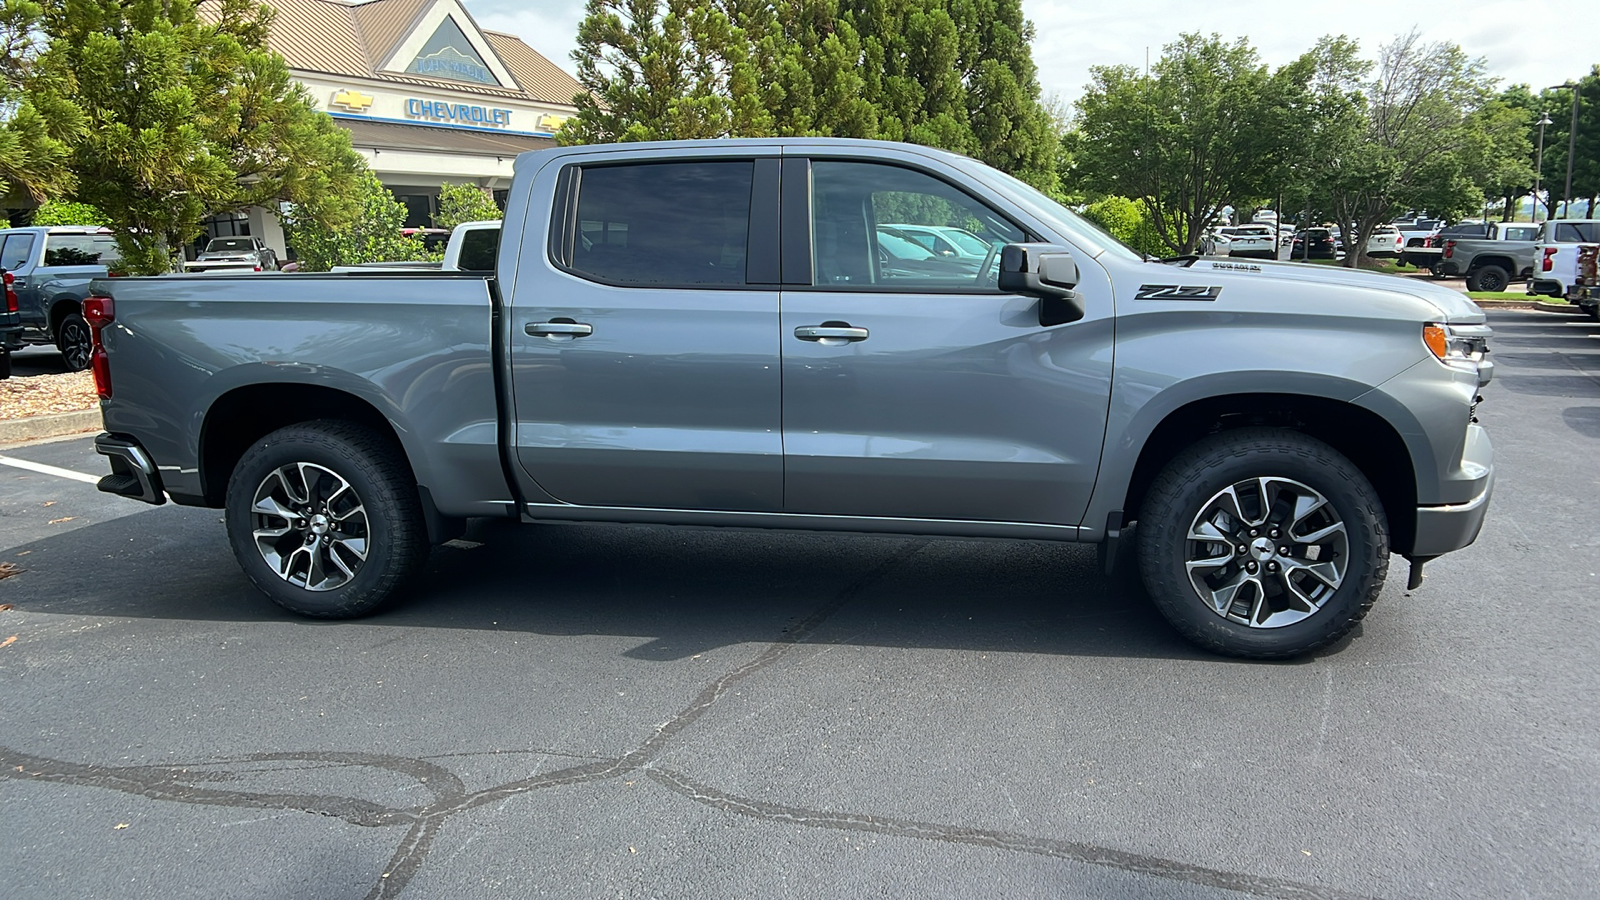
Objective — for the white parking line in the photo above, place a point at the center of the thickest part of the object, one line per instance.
(43, 469)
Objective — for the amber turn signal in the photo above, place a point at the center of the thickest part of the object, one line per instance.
(1437, 339)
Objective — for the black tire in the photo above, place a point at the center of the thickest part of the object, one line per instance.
(1436, 271)
(5, 363)
(75, 342)
(1188, 487)
(1488, 278)
(391, 529)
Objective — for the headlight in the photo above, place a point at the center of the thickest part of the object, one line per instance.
(1457, 348)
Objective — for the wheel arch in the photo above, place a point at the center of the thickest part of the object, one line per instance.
(240, 416)
(1369, 441)
(60, 306)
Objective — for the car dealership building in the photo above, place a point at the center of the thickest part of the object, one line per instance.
(427, 96)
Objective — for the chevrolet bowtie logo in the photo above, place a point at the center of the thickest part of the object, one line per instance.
(355, 101)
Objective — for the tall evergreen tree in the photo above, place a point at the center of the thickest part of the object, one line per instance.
(185, 116)
(956, 74)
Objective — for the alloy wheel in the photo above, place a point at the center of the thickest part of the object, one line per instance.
(1266, 552)
(310, 526)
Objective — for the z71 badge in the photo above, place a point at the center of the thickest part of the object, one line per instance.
(1177, 292)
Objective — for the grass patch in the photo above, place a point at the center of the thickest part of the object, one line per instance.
(1504, 295)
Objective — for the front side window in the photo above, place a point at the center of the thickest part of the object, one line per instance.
(664, 223)
(14, 255)
(878, 226)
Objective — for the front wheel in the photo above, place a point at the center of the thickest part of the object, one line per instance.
(324, 518)
(1263, 543)
(75, 342)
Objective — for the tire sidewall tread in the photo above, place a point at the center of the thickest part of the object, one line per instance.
(1197, 474)
(377, 470)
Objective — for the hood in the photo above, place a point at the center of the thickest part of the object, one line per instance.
(1453, 306)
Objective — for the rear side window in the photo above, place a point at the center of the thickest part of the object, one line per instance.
(1525, 233)
(80, 250)
(15, 252)
(478, 249)
(663, 223)
(1578, 232)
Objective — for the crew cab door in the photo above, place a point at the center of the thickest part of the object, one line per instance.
(16, 251)
(912, 387)
(644, 334)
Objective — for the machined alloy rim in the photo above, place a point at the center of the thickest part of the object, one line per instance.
(75, 345)
(1266, 552)
(310, 526)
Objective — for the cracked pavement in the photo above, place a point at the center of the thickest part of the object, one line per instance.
(581, 711)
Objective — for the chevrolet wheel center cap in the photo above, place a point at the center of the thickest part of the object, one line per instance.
(1261, 549)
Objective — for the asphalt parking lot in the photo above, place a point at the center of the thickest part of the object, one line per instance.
(577, 711)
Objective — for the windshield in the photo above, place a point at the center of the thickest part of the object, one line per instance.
(223, 245)
(901, 248)
(969, 243)
(1082, 231)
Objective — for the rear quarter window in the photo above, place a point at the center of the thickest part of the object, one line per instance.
(80, 250)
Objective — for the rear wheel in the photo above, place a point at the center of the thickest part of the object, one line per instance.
(75, 342)
(324, 518)
(1263, 543)
(1488, 278)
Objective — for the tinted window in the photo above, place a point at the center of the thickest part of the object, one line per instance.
(478, 249)
(1568, 233)
(80, 250)
(851, 249)
(1525, 233)
(230, 245)
(664, 223)
(15, 252)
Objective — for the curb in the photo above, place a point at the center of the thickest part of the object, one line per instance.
(33, 427)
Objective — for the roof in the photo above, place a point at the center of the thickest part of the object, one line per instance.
(335, 37)
(389, 136)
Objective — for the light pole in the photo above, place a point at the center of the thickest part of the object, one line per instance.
(1572, 144)
(1538, 164)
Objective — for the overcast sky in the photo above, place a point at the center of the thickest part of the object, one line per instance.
(1515, 36)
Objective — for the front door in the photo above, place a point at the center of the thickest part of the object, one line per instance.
(645, 361)
(913, 388)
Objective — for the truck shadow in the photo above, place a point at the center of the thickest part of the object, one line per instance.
(681, 592)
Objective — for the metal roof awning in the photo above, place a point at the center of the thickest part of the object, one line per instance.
(392, 136)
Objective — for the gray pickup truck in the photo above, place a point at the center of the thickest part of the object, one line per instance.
(1490, 256)
(51, 268)
(711, 334)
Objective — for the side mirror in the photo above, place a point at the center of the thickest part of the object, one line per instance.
(1046, 271)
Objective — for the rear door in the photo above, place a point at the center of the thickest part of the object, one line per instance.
(644, 333)
(15, 251)
(914, 388)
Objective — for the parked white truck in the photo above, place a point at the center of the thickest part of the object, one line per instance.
(1555, 262)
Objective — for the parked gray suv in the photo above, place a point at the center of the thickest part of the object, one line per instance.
(709, 334)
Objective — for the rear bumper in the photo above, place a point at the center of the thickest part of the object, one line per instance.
(133, 472)
(1442, 529)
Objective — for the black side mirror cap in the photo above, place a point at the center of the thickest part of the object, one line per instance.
(1046, 271)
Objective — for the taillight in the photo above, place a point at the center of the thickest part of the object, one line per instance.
(1548, 263)
(99, 312)
(11, 293)
(1449, 249)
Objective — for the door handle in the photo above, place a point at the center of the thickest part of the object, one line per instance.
(831, 334)
(559, 329)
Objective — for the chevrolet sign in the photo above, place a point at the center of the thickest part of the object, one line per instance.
(355, 101)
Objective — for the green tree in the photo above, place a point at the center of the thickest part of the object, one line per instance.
(36, 133)
(66, 212)
(464, 203)
(1210, 125)
(956, 74)
(1418, 142)
(372, 235)
(1586, 162)
(185, 117)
